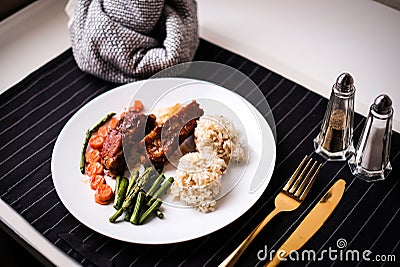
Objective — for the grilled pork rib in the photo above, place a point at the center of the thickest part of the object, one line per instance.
(129, 131)
(139, 136)
(159, 145)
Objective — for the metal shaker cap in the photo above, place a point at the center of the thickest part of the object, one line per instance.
(345, 83)
(382, 104)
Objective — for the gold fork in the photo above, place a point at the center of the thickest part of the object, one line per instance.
(290, 198)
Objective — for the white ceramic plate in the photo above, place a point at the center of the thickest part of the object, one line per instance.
(238, 192)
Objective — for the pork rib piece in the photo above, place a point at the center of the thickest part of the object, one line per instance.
(129, 131)
(164, 140)
(112, 155)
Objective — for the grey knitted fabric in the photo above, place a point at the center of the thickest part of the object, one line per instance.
(126, 40)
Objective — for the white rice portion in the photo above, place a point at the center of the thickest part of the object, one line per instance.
(198, 180)
(219, 133)
(199, 174)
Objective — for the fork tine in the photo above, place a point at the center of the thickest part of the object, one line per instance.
(310, 183)
(294, 175)
(305, 180)
(299, 178)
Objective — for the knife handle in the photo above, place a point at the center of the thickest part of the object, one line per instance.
(235, 255)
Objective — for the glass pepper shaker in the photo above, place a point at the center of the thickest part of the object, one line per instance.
(371, 160)
(335, 139)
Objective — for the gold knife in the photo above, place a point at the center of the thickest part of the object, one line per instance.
(311, 223)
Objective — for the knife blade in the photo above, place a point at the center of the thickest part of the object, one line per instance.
(311, 223)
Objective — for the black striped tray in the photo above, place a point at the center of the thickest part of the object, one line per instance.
(34, 111)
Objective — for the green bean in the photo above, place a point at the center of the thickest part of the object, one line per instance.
(121, 186)
(138, 207)
(161, 191)
(155, 185)
(116, 215)
(156, 204)
(132, 180)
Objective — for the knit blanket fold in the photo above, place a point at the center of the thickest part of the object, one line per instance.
(127, 40)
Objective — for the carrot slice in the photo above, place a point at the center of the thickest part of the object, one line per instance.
(96, 141)
(93, 155)
(103, 130)
(104, 194)
(113, 123)
(94, 168)
(97, 180)
(96, 199)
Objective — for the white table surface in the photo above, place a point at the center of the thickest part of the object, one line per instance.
(310, 42)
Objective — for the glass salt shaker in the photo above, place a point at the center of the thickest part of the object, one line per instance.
(371, 160)
(335, 139)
